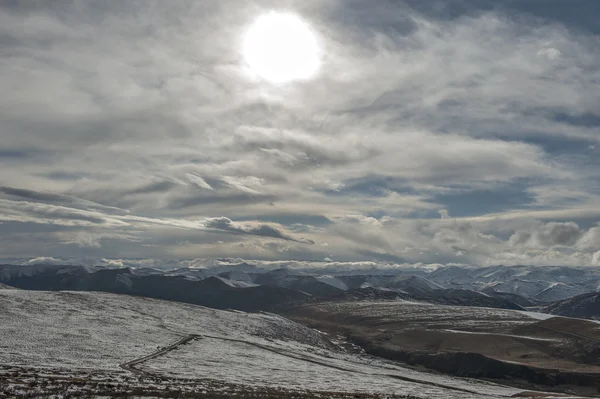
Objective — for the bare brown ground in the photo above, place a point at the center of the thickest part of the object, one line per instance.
(553, 352)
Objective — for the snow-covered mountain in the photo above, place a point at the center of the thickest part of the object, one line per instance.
(189, 273)
(15, 272)
(253, 288)
(146, 271)
(237, 275)
(236, 283)
(540, 283)
(413, 284)
(333, 281)
(559, 291)
(297, 281)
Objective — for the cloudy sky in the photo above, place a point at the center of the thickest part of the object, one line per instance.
(463, 131)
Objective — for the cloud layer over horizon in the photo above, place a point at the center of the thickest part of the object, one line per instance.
(454, 132)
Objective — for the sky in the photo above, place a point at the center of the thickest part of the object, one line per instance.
(434, 132)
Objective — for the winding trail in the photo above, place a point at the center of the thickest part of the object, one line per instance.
(348, 370)
(130, 365)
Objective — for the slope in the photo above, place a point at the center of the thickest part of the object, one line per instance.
(160, 340)
(585, 306)
(478, 342)
(211, 291)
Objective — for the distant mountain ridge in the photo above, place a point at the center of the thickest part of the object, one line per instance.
(540, 283)
(454, 297)
(211, 291)
(251, 288)
(586, 306)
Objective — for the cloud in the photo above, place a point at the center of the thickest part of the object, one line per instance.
(52, 198)
(154, 187)
(247, 184)
(154, 131)
(263, 230)
(199, 181)
(46, 213)
(46, 260)
(33, 195)
(550, 53)
(113, 262)
(85, 240)
(596, 258)
(590, 240)
(548, 235)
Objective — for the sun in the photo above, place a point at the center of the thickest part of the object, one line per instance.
(280, 47)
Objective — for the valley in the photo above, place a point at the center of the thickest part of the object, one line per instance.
(140, 343)
(519, 348)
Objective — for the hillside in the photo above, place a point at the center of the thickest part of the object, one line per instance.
(516, 347)
(237, 289)
(257, 289)
(129, 340)
(304, 283)
(584, 306)
(455, 297)
(211, 291)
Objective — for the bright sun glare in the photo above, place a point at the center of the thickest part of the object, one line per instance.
(281, 47)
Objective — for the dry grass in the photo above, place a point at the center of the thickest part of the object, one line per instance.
(16, 382)
(559, 353)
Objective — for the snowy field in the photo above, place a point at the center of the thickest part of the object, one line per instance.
(292, 365)
(106, 334)
(101, 331)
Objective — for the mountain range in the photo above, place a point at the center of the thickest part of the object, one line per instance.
(558, 290)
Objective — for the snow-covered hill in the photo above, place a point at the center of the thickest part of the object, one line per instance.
(84, 330)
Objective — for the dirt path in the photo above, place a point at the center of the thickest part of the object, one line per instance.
(130, 365)
(348, 370)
